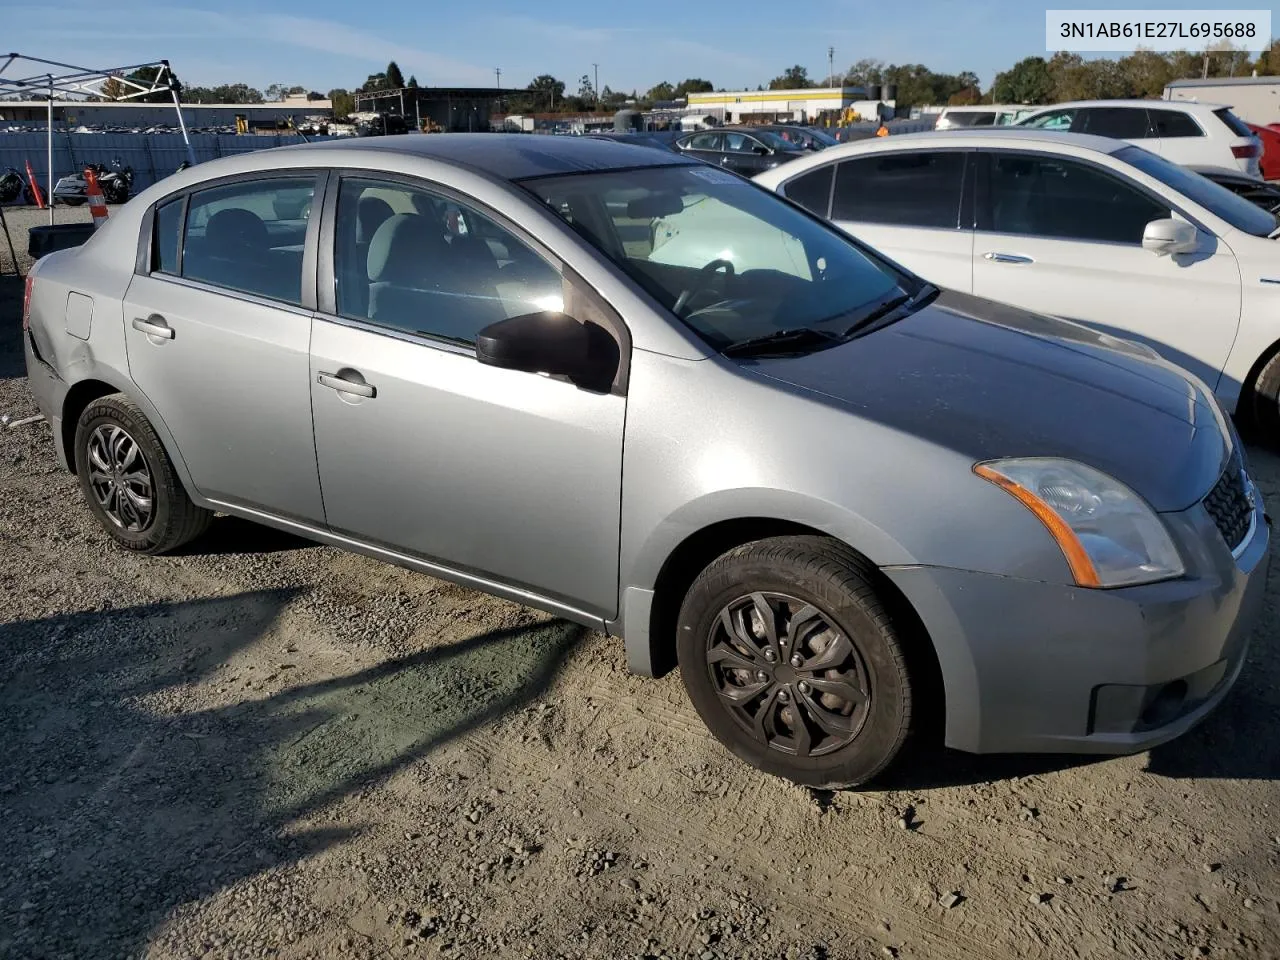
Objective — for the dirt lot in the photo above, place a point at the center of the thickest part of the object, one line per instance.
(266, 748)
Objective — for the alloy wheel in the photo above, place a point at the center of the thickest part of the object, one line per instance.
(120, 478)
(788, 675)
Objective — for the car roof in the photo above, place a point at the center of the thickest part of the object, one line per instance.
(1186, 106)
(975, 136)
(509, 156)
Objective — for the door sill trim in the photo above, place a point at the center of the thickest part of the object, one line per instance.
(475, 582)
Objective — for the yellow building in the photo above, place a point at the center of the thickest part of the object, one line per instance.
(801, 106)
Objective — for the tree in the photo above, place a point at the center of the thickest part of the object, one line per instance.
(660, 91)
(343, 103)
(966, 97)
(226, 93)
(1027, 81)
(863, 72)
(295, 91)
(147, 76)
(395, 79)
(113, 89)
(1268, 62)
(545, 92)
(695, 85)
(586, 92)
(793, 78)
(275, 91)
(375, 81)
(413, 82)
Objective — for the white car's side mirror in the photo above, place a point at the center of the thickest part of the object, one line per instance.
(1167, 236)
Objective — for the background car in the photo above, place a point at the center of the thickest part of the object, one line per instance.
(743, 151)
(1253, 189)
(1086, 228)
(671, 449)
(807, 138)
(1269, 162)
(659, 139)
(1185, 132)
(984, 115)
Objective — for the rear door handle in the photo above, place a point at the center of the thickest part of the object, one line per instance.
(343, 385)
(1007, 258)
(154, 326)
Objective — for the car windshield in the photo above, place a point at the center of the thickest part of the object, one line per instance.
(730, 259)
(1214, 197)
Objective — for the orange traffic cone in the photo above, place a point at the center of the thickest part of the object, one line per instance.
(97, 202)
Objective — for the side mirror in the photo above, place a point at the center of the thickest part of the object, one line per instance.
(584, 353)
(762, 151)
(1168, 236)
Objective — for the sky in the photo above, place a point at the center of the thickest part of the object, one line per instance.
(735, 44)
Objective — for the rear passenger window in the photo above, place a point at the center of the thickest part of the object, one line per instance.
(813, 190)
(1233, 123)
(250, 236)
(1053, 120)
(1119, 123)
(1171, 123)
(417, 261)
(907, 189)
(166, 231)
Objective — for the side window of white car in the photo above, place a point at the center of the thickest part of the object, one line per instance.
(1174, 123)
(910, 189)
(1053, 120)
(413, 260)
(812, 190)
(1047, 196)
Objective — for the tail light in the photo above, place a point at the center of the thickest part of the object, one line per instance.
(1246, 152)
(26, 302)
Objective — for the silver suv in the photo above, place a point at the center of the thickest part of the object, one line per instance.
(651, 397)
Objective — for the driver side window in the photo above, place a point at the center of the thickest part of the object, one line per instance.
(417, 261)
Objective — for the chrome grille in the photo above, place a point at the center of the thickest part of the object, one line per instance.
(1229, 503)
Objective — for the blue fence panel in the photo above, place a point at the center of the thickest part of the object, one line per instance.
(153, 156)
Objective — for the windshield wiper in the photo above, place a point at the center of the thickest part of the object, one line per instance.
(882, 309)
(793, 340)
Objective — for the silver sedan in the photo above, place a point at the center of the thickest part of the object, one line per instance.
(651, 397)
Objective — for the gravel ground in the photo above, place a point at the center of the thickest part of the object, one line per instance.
(267, 748)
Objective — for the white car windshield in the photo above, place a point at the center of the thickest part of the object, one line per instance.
(730, 259)
(1214, 197)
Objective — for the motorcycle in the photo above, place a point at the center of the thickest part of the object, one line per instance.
(115, 184)
(13, 185)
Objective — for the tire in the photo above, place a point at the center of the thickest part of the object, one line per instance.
(71, 201)
(821, 589)
(1261, 409)
(114, 433)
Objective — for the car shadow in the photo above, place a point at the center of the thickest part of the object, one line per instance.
(235, 535)
(118, 807)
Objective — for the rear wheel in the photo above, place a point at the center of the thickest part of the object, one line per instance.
(129, 481)
(793, 662)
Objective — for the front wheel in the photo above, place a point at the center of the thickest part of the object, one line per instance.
(794, 664)
(129, 481)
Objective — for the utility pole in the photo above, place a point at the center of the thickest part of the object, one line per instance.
(596, 88)
(831, 66)
(497, 72)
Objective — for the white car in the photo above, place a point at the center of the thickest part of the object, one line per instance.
(985, 115)
(1084, 228)
(1197, 134)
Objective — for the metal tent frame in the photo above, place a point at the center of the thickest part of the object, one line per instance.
(80, 83)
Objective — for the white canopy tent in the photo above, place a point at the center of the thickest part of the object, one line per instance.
(81, 83)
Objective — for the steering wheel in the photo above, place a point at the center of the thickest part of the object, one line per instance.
(702, 281)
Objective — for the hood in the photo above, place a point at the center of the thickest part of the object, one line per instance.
(989, 380)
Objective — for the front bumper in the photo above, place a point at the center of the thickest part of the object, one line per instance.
(1031, 667)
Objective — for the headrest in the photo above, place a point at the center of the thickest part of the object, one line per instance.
(371, 213)
(406, 248)
(236, 230)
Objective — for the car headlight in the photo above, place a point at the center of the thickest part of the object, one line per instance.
(1108, 534)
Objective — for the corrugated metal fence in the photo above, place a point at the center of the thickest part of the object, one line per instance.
(153, 156)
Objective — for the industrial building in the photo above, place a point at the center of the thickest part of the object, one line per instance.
(132, 113)
(813, 105)
(450, 109)
(1252, 99)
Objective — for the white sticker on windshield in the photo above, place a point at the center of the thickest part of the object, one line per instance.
(712, 175)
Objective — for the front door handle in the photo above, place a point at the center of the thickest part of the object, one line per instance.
(343, 385)
(1007, 258)
(154, 326)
